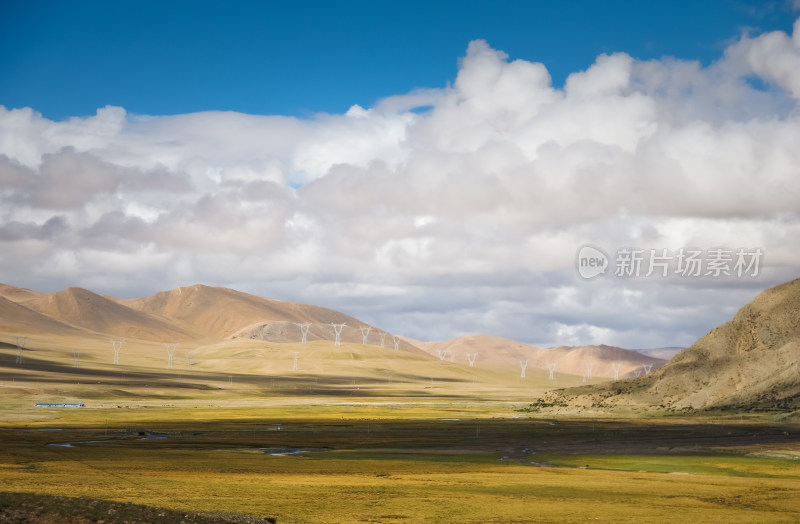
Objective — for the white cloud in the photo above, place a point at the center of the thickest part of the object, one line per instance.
(437, 212)
(774, 57)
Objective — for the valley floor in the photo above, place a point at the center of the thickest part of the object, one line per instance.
(357, 434)
(405, 461)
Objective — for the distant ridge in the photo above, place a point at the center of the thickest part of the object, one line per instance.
(575, 360)
(665, 353)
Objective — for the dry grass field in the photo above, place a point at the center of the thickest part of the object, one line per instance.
(345, 466)
(356, 433)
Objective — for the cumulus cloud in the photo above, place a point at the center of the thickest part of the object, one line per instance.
(775, 57)
(439, 212)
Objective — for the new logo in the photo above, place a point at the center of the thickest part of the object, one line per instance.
(591, 262)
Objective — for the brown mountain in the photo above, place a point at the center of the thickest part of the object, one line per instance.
(200, 313)
(574, 360)
(17, 294)
(83, 309)
(16, 318)
(491, 351)
(603, 358)
(750, 361)
(220, 313)
(215, 311)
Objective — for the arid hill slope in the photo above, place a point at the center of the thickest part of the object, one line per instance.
(750, 361)
(197, 313)
(82, 308)
(220, 313)
(16, 318)
(17, 294)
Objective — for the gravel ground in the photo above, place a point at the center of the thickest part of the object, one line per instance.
(46, 509)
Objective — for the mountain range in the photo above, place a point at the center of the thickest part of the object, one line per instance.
(208, 315)
(193, 313)
(752, 361)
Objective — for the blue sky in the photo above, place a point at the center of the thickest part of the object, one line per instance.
(280, 149)
(299, 58)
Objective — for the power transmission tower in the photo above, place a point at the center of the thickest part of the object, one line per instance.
(365, 333)
(304, 330)
(337, 328)
(21, 340)
(171, 355)
(117, 346)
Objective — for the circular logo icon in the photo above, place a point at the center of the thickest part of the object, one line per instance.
(591, 262)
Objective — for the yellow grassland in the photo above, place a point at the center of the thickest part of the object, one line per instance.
(379, 435)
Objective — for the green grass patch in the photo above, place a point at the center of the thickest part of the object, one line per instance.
(715, 464)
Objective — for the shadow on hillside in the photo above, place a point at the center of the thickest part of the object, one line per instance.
(48, 372)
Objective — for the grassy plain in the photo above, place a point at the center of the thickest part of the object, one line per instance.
(364, 437)
(346, 466)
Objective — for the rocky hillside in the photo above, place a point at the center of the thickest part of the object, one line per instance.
(752, 361)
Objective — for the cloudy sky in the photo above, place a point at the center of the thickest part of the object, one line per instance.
(432, 170)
